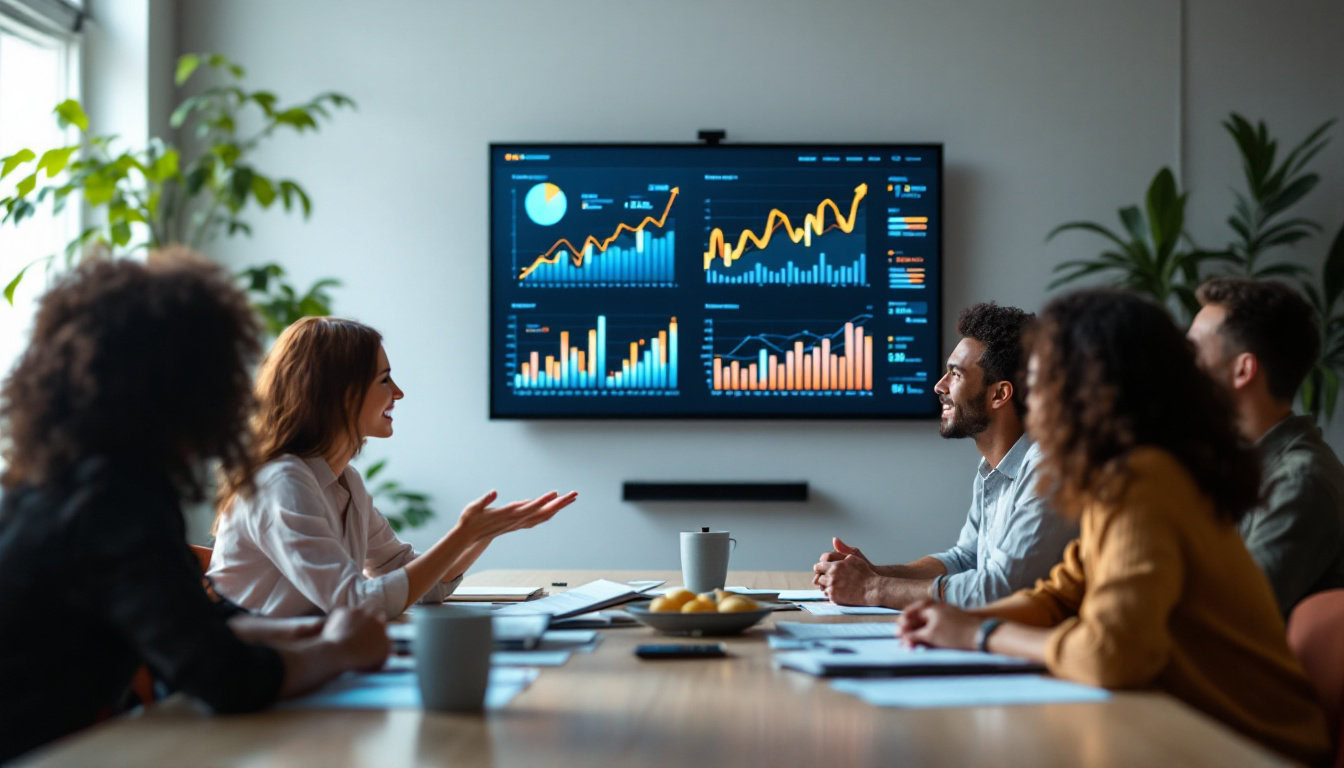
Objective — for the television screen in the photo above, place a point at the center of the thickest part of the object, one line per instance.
(696, 281)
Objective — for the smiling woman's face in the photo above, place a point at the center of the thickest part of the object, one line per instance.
(375, 416)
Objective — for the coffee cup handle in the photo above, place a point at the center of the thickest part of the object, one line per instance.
(730, 538)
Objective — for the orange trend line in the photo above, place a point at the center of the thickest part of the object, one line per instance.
(813, 222)
(602, 245)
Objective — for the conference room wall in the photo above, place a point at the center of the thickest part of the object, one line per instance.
(1049, 111)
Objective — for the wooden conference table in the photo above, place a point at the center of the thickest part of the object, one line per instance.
(608, 708)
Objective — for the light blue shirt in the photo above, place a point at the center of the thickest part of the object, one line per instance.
(1011, 537)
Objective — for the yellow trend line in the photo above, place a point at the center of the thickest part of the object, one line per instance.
(550, 256)
(812, 223)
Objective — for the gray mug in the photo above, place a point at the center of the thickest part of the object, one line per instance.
(452, 656)
(704, 559)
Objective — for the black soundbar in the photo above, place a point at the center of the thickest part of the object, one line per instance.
(700, 491)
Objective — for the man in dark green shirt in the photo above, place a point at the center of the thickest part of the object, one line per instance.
(1259, 339)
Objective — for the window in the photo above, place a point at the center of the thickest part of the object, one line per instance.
(37, 71)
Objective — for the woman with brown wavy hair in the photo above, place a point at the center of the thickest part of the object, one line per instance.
(134, 376)
(302, 536)
(1158, 591)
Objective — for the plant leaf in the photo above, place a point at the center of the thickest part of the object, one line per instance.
(374, 469)
(69, 112)
(1087, 226)
(55, 160)
(14, 284)
(263, 190)
(15, 160)
(186, 65)
(1332, 277)
(26, 184)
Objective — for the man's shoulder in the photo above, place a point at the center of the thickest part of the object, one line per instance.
(1306, 462)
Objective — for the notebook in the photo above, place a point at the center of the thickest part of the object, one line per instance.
(586, 598)
(494, 594)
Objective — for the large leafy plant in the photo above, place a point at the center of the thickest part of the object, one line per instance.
(144, 198)
(1150, 255)
(1154, 255)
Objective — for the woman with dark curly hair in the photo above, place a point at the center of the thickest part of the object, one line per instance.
(135, 375)
(1158, 591)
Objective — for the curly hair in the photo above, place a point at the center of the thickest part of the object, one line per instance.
(1001, 330)
(145, 362)
(309, 391)
(1272, 322)
(1113, 373)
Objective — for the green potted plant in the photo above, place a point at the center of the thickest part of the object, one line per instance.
(1157, 258)
(141, 199)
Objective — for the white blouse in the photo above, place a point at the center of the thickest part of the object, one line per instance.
(303, 545)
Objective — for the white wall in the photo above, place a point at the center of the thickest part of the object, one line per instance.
(1049, 111)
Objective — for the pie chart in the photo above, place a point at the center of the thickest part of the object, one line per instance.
(545, 204)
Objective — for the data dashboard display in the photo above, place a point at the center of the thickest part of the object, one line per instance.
(693, 281)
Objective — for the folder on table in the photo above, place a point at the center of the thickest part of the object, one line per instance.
(892, 658)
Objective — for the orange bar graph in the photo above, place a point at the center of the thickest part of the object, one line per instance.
(799, 369)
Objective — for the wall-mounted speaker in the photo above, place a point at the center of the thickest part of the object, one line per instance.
(634, 490)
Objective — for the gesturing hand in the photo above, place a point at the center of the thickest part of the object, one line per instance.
(480, 521)
(938, 624)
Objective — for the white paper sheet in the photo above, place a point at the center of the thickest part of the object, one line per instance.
(398, 690)
(799, 630)
(800, 595)
(831, 609)
(968, 691)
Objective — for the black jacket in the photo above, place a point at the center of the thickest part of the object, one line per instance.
(96, 578)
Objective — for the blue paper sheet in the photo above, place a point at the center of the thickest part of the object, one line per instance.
(398, 690)
(968, 691)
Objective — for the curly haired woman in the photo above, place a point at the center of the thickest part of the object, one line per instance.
(1158, 591)
(136, 375)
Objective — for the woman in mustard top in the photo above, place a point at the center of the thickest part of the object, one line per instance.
(1158, 591)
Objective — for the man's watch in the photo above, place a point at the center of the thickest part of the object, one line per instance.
(982, 634)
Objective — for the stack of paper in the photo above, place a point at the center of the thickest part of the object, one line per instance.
(846, 631)
(892, 657)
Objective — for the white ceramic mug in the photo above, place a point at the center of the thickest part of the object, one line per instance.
(452, 656)
(704, 559)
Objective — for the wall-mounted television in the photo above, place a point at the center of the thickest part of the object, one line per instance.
(731, 281)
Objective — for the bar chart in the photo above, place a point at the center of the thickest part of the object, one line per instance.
(560, 355)
(839, 361)
(905, 278)
(629, 254)
(825, 246)
(636, 258)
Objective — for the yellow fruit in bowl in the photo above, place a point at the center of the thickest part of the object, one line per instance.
(700, 604)
(663, 605)
(737, 604)
(674, 599)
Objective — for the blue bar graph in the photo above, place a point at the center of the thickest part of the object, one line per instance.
(638, 258)
(581, 363)
(855, 274)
